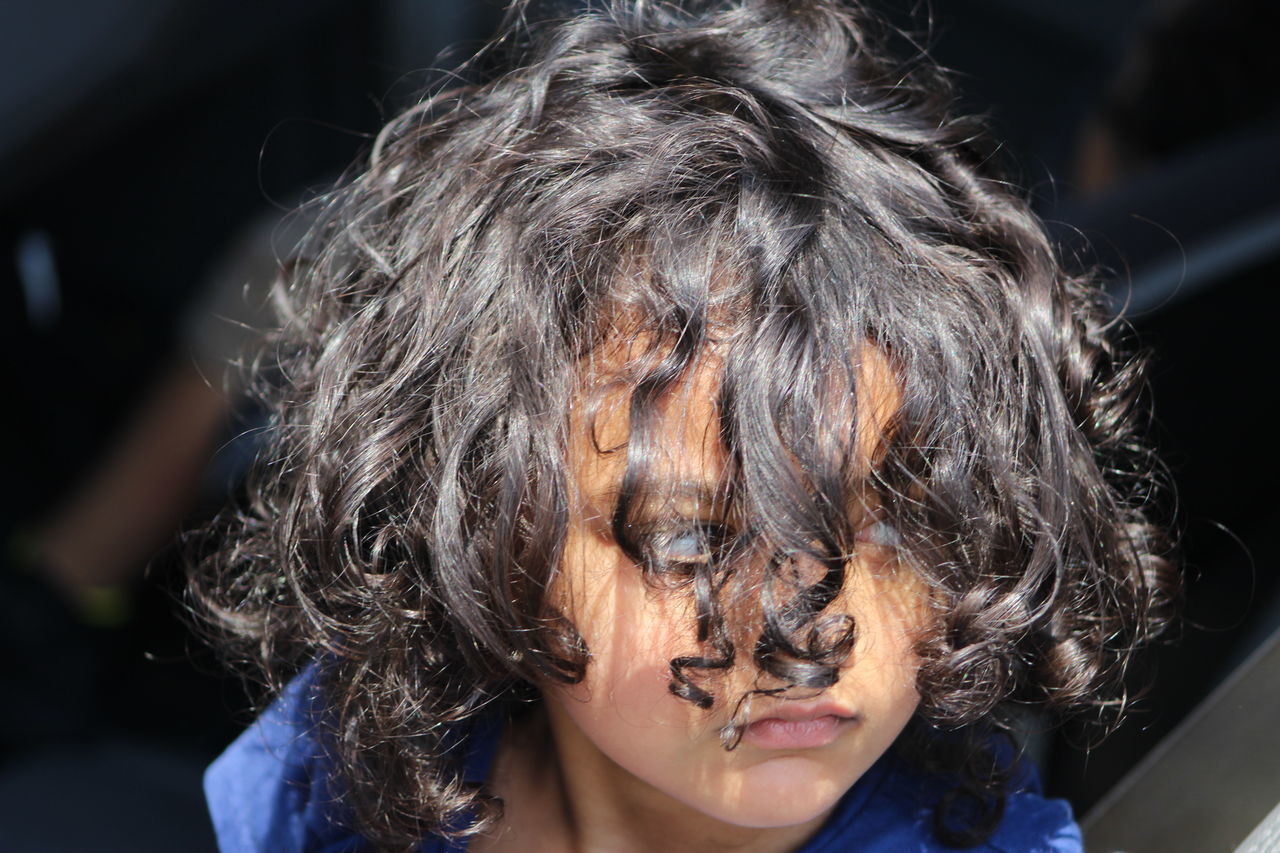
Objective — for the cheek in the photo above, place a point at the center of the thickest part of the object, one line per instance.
(631, 632)
(890, 608)
(623, 707)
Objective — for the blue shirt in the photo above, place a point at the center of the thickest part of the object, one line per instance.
(270, 792)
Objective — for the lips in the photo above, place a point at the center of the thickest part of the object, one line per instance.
(798, 728)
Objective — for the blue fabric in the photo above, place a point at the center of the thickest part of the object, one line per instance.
(270, 792)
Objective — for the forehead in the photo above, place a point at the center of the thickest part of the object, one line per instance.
(682, 438)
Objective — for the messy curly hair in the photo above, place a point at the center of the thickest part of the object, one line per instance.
(750, 177)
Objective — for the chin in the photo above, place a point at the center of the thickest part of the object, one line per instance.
(784, 791)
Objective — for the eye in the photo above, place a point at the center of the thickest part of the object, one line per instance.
(685, 544)
(880, 532)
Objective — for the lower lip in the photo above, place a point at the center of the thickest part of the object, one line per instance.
(795, 734)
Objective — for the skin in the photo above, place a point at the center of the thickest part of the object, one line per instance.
(618, 763)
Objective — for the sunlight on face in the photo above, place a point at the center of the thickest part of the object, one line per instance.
(623, 727)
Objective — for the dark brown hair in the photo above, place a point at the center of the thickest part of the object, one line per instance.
(753, 176)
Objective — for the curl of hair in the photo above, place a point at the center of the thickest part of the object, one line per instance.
(753, 176)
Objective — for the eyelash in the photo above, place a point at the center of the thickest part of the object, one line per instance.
(880, 533)
(707, 540)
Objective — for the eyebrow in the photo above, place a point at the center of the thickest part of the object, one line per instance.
(667, 494)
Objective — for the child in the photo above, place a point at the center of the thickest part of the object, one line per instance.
(682, 444)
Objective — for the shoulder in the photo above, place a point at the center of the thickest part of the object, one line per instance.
(271, 789)
(1035, 824)
(890, 811)
(274, 788)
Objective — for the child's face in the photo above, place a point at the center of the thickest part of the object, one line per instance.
(624, 728)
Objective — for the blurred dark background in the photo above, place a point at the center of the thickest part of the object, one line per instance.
(149, 149)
